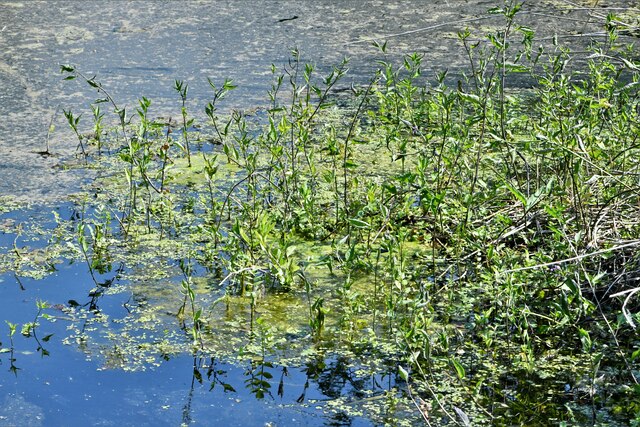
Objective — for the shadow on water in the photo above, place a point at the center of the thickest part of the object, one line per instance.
(64, 389)
(62, 385)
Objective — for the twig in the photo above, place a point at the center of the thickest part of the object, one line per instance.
(49, 129)
(604, 317)
(240, 271)
(575, 258)
(418, 405)
(604, 8)
(563, 18)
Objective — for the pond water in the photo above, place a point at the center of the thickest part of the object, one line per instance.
(66, 389)
(70, 382)
(139, 50)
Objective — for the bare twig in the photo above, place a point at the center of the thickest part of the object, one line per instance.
(575, 258)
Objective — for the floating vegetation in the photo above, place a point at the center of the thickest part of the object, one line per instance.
(473, 246)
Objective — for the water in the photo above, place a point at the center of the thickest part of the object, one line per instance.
(66, 382)
(138, 51)
(65, 389)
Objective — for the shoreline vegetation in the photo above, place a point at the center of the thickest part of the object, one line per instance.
(475, 242)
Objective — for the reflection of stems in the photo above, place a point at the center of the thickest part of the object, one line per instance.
(285, 373)
(22, 288)
(186, 409)
(13, 368)
(16, 250)
(84, 248)
(258, 383)
(307, 287)
(196, 333)
(43, 352)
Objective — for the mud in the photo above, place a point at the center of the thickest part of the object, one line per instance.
(138, 48)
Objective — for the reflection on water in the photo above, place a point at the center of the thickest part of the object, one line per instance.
(65, 388)
(62, 371)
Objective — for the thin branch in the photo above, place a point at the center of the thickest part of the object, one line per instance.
(575, 258)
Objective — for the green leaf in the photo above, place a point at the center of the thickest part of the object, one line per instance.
(122, 113)
(358, 223)
(459, 368)
(474, 99)
(67, 68)
(403, 373)
(521, 197)
(587, 344)
(515, 68)
(350, 164)
(381, 47)
(228, 85)
(12, 327)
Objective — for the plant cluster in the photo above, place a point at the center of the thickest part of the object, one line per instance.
(482, 237)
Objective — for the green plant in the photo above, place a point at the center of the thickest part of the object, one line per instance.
(12, 331)
(190, 297)
(73, 124)
(29, 329)
(477, 234)
(182, 88)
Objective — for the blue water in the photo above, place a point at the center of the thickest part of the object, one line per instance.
(69, 391)
(67, 387)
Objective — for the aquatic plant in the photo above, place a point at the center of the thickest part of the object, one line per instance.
(473, 242)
